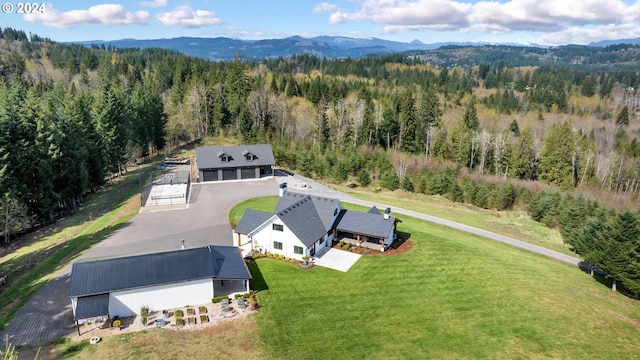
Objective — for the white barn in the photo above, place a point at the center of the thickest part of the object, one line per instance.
(103, 288)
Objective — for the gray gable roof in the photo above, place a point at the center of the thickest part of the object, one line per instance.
(374, 210)
(364, 223)
(250, 220)
(94, 277)
(324, 206)
(303, 220)
(210, 157)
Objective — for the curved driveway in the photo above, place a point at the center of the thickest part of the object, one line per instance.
(48, 315)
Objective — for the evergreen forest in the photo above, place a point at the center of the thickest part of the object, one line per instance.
(555, 138)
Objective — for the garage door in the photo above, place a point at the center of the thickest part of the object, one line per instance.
(229, 174)
(249, 173)
(210, 175)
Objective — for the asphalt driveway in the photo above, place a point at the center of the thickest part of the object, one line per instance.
(48, 315)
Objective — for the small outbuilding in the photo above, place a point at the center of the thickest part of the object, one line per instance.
(104, 288)
(242, 162)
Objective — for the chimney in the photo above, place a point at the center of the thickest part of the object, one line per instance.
(283, 189)
(182, 247)
(387, 213)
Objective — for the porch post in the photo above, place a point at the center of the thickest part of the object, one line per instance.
(77, 326)
(238, 239)
(382, 242)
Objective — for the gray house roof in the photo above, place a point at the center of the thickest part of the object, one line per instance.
(250, 220)
(374, 210)
(102, 276)
(365, 223)
(211, 157)
(324, 206)
(304, 221)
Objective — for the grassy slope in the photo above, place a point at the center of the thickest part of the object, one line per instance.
(453, 296)
(517, 224)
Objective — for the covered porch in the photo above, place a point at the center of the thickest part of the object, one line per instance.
(360, 240)
(230, 287)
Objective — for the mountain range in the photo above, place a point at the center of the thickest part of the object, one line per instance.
(222, 48)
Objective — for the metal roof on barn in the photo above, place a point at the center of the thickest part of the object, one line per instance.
(102, 276)
(210, 157)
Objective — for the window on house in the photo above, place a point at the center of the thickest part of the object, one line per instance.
(224, 158)
(277, 245)
(298, 250)
(278, 227)
(249, 157)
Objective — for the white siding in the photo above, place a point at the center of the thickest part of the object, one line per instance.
(129, 302)
(265, 236)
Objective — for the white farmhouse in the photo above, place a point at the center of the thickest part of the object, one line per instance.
(302, 225)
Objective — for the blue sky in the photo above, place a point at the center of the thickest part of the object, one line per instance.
(548, 22)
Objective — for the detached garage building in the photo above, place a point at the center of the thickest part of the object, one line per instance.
(218, 163)
(103, 288)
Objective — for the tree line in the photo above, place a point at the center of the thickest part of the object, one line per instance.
(106, 107)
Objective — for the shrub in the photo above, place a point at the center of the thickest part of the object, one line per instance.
(363, 178)
(341, 243)
(179, 313)
(144, 314)
(217, 299)
(116, 323)
(245, 295)
(349, 245)
(390, 181)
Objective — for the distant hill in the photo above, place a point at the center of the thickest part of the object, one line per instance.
(604, 43)
(222, 48)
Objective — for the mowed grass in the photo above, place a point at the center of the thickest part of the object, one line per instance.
(454, 295)
(235, 339)
(515, 223)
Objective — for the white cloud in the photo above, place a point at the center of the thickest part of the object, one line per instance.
(577, 35)
(185, 16)
(545, 15)
(404, 15)
(154, 3)
(102, 14)
(322, 7)
(560, 19)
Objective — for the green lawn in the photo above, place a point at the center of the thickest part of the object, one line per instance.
(453, 296)
(515, 223)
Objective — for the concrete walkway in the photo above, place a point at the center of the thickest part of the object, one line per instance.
(336, 259)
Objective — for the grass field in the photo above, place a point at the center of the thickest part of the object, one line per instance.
(453, 296)
(515, 223)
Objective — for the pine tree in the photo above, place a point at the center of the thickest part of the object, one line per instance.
(557, 157)
(623, 116)
(522, 157)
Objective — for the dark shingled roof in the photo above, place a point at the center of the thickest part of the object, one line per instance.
(210, 157)
(324, 206)
(92, 306)
(364, 223)
(374, 210)
(102, 276)
(250, 220)
(303, 220)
